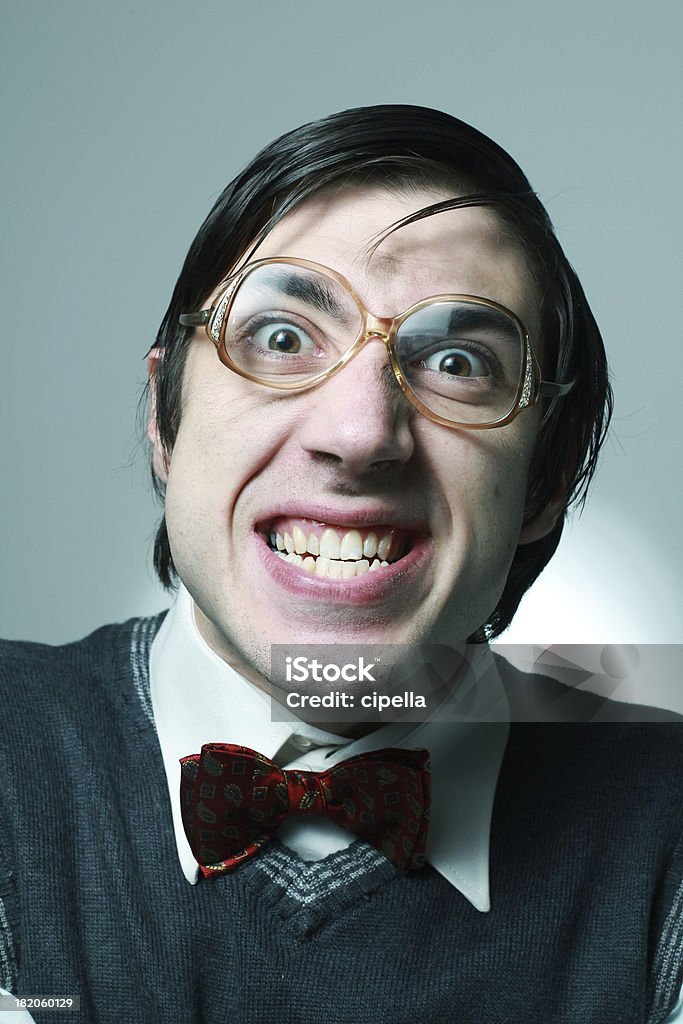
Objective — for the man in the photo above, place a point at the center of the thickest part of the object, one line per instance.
(377, 389)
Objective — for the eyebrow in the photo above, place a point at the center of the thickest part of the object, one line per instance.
(314, 292)
(481, 316)
(471, 317)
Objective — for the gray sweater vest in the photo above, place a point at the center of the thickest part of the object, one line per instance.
(586, 923)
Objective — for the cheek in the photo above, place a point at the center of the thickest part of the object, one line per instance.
(485, 491)
(197, 486)
(227, 435)
(483, 485)
(497, 520)
(190, 504)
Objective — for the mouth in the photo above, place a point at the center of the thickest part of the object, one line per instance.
(337, 552)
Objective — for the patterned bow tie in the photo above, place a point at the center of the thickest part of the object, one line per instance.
(233, 800)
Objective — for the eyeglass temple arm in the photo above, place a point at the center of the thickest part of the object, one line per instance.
(549, 389)
(199, 319)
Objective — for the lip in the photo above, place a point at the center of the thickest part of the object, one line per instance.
(370, 588)
(369, 515)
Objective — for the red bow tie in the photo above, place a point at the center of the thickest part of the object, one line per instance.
(233, 800)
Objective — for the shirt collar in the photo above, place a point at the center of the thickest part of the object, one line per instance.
(189, 687)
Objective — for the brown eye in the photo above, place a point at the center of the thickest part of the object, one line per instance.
(457, 362)
(284, 341)
(456, 365)
(287, 339)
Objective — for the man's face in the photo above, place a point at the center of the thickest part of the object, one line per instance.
(351, 456)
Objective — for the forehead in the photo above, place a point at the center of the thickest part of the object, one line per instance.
(462, 251)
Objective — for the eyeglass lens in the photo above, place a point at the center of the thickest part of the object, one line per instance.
(463, 360)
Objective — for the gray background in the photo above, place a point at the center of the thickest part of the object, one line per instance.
(120, 124)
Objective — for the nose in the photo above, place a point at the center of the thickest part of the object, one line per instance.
(360, 418)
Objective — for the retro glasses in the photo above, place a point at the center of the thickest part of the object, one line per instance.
(290, 324)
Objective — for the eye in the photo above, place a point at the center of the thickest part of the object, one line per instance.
(457, 362)
(283, 337)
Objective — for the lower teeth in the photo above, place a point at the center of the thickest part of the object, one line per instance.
(331, 567)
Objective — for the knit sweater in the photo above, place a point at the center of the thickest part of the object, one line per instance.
(586, 924)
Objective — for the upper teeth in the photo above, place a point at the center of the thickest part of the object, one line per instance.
(345, 546)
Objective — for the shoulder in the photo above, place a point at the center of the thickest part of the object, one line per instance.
(66, 712)
(535, 697)
(36, 678)
(576, 742)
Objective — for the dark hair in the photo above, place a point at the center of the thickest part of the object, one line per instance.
(408, 147)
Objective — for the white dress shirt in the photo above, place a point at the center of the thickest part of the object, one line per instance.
(198, 698)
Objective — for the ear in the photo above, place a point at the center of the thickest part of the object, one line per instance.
(159, 463)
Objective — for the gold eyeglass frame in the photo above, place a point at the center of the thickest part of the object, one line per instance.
(214, 319)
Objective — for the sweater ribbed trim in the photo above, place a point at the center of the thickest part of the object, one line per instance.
(8, 958)
(142, 636)
(668, 963)
(9, 954)
(306, 883)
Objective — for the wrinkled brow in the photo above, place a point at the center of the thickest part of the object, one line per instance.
(314, 291)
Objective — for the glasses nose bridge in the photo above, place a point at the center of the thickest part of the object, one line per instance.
(379, 327)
